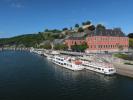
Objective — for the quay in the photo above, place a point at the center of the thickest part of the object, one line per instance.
(125, 70)
(19, 49)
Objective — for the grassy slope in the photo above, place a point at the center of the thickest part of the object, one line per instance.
(27, 40)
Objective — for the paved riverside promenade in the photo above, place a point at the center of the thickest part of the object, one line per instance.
(125, 70)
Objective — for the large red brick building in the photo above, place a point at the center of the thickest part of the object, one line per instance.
(102, 41)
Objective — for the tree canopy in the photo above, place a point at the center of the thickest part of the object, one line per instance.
(100, 27)
(91, 28)
(130, 35)
(86, 23)
(131, 43)
(46, 46)
(77, 25)
(79, 48)
(65, 29)
(27, 40)
(80, 29)
(60, 47)
(53, 31)
(30, 40)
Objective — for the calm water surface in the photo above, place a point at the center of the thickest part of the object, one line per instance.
(27, 76)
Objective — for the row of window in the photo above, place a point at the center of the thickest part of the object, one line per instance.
(68, 65)
(108, 39)
(77, 42)
(98, 39)
(95, 68)
(61, 63)
(59, 59)
(106, 46)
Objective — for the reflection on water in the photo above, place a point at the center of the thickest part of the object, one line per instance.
(66, 74)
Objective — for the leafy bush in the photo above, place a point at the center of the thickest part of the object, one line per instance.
(46, 46)
(79, 48)
(124, 56)
(128, 63)
(60, 47)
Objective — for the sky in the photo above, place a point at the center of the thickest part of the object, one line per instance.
(19, 17)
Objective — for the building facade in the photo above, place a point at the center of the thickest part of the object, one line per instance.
(74, 41)
(106, 44)
(111, 42)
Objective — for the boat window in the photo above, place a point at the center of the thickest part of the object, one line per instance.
(99, 68)
(110, 70)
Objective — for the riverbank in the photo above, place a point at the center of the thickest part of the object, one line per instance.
(21, 49)
(125, 70)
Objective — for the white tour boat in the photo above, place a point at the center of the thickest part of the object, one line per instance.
(101, 67)
(68, 62)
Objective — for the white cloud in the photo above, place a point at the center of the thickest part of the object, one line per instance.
(14, 3)
(17, 5)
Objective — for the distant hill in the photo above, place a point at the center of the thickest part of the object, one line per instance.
(30, 40)
(27, 40)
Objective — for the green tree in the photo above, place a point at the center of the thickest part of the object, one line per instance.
(79, 48)
(83, 23)
(131, 43)
(28, 40)
(46, 46)
(65, 29)
(88, 22)
(46, 30)
(53, 31)
(130, 35)
(80, 29)
(60, 47)
(100, 27)
(84, 47)
(76, 25)
(91, 28)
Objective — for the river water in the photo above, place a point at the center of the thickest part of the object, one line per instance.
(27, 76)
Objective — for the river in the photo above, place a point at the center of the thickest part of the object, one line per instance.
(27, 76)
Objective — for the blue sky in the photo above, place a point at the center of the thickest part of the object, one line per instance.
(29, 16)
